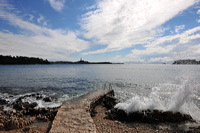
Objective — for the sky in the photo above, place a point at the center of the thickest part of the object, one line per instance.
(129, 31)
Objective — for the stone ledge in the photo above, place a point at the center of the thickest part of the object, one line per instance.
(75, 115)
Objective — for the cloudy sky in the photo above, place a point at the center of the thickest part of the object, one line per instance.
(136, 31)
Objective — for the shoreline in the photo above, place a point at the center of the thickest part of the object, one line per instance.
(27, 120)
(97, 108)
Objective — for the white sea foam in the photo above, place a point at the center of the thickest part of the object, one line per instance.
(43, 104)
(58, 102)
(166, 97)
(27, 97)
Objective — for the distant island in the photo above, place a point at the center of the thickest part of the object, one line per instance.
(12, 60)
(185, 62)
(81, 61)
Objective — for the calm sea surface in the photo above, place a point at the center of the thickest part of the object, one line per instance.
(71, 80)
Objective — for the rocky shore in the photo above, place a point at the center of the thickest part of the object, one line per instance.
(112, 120)
(107, 121)
(25, 116)
(97, 109)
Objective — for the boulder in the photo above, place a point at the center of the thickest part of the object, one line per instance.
(3, 101)
(109, 102)
(47, 99)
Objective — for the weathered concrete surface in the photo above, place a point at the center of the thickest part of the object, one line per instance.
(74, 115)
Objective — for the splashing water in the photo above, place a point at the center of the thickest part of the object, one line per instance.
(166, 97)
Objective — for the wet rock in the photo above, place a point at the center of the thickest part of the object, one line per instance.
(47, 99)
(38, 97)
(19, 105)
(32, 105)
(1, 107)
(109, 102)
(116, 114)
(33, 95)
(148, 116)
(3, 101)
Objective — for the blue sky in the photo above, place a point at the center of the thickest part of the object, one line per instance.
(132, 31)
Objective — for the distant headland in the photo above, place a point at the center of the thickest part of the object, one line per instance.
(12, 60)
(81, 61)
(186, 62)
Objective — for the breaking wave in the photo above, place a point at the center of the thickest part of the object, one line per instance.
(183, 98)
(54, 99)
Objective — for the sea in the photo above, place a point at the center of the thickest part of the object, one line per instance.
(137, 86)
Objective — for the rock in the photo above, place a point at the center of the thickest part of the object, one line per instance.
(1, 125)
(47, 99)
(24, 114)
(148, 116)
(109, 102)
(38, 97)
(19, 105)
(26, 129)
(1, 107)
(32, 105)
(3, 101)
(116, 114)
(42, 118)
(33, 95)
(11, 123)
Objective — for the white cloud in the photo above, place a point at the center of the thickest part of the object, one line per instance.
(198, 12)
(121, 24)
(178, 28)
(41, 20)
(57, 5)
(151, 51)
(57, 47)
(37, 40)
(169, 48)
(160, 59)
(119, 58)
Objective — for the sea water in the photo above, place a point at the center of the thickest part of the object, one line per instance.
(137, 86)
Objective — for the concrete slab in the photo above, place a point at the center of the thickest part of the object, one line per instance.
(74, 115)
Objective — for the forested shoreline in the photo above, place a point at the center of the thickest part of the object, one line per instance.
(10, 60)
(185, 62)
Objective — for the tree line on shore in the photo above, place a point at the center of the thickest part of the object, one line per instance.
(7, 60)
(11, 60)
(188, 61)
